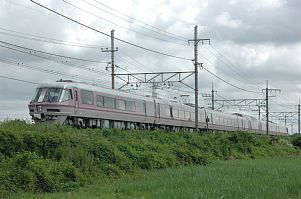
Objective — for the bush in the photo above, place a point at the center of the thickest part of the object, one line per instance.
(49, 158)
(29, 172)
(297, 141)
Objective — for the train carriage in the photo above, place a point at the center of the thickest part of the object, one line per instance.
(84, 105)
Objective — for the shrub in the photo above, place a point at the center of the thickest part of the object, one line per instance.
(297, 141)
(48, 158)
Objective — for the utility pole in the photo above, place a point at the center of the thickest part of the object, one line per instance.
(196, 65)
(259, 112)
(267, 106)
(212, 97)
(196, 81)
(112, 50)
(267, 90)
(299, 117)
(284, 115)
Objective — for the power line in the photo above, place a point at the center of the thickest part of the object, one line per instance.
(127, 63)
(90, 13)
(46, 39)
(57, 55)
(231, 65)
(145, 24)
(161, 13)
(229, 82)
(220, 60)
(211, 63)
(60, 62)
(20, 80)
(21, 5)
(49, 71)
(121, 40)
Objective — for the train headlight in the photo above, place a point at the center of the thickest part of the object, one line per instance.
(39, 108)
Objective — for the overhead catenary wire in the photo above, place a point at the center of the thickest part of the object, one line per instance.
(22, 35)
(137, 64)
(239, 88)
(161, 13)
(15, 79)
(124, 27)
(152, 28)
(118, 39)
(121, 40)
(53, 54)
(210, 62)
(50, 71)
(223, 69)
(232, 66)
(125, 63)
(21, 5)
(58, 61)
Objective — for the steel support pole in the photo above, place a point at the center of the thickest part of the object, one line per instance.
(267, 107)
(299, 117)
(196, 87)
(112, 59)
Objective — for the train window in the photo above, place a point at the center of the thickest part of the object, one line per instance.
(130, 105)
(187, 115)
(120, 104)
(71, 95)
(99, 100)
(67, 95)
(216, 119)
(52, 95)
(144, 106)
(76, 96)
(175, 113)
(37, 95)
(109, 102)
(87, 97)
(170, 111)
(181, 113)
(192, 116)
(167, 112)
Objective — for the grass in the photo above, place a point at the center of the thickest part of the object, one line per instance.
(275, 178)
(53, 158)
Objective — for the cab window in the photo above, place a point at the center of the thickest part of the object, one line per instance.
(87, 97)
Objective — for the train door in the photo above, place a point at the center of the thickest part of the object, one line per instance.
(170, 112)
(158, 110)
(249, 125)
(76, 100)
(144, 108)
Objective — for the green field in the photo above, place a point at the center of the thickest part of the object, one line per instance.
(262, 178)
(41, 158)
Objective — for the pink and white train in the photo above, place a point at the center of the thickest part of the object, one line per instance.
(83, 105)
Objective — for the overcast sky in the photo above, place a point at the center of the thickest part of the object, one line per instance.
(251, 41)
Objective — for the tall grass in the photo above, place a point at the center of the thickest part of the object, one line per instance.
(50, 158)
(275, 178)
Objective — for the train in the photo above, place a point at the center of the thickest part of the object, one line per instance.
(83, 105)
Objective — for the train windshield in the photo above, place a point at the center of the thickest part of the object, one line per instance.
(47, 95)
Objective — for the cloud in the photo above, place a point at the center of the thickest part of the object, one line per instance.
(225, 20)
(258, 21)
(252, 41)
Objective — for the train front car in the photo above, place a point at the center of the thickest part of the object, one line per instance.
(52, 103)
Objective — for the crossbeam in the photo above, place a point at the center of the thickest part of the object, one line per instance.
(155, 77)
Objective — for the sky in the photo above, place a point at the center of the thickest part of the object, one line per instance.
(251, 41)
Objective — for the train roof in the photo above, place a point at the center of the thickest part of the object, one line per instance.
(81, 85)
